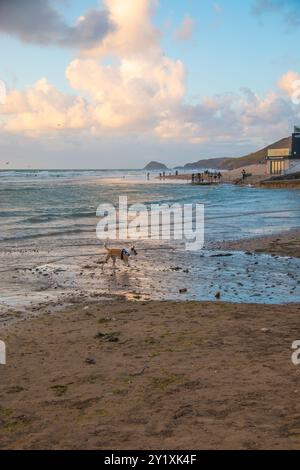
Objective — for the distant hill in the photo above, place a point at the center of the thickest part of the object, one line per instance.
(233, 163)
(212, 163)
(155, 166)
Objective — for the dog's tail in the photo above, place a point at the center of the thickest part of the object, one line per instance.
(106, 246)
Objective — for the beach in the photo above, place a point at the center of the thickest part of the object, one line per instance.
(149, 228)
(180, 350)
(258, 173)
(157, 375)
(112, 373)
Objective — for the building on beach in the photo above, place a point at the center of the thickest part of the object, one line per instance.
(285, 160)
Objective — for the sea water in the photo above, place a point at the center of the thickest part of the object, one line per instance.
(50, 215)
(35, 204)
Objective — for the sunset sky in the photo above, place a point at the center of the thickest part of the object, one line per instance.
(116, 83)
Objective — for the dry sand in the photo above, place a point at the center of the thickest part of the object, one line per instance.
(152, 376)
(258, 172)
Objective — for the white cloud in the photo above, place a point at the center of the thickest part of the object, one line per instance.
(133, 33)
(130, 95)
(42, 108)
(289, 83)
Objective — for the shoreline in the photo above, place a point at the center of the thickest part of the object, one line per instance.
(279, 244)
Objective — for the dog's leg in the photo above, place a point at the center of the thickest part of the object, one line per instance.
(107, 259)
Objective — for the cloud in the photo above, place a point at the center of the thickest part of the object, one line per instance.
(127, 86)
(42, 108)
(129, 95)
(289, 83)
(39, 22)
(133, 34)
(140, 83)
(231, 118)
(186, 30)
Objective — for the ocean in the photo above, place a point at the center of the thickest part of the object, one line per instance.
(35, 204)
(48, 222)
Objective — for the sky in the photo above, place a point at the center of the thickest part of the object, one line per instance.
(117, 83)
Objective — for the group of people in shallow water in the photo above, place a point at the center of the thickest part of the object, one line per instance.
(163, 175)
(207, 177)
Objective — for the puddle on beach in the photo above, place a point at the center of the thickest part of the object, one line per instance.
(32, 277)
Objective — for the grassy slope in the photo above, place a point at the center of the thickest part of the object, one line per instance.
(232, 163)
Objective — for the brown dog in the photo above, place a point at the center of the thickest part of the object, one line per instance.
(117, 253)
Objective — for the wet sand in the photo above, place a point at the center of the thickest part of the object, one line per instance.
(157, 375)
(56, 272)
(283, 244)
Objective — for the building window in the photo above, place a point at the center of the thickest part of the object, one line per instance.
(277, 168)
